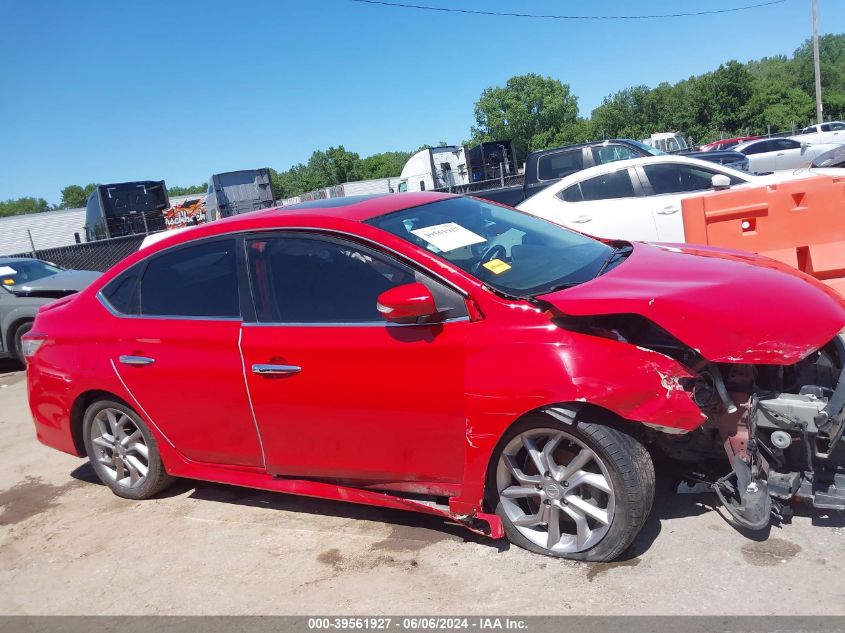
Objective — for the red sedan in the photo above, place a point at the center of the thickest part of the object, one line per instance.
(447, 355)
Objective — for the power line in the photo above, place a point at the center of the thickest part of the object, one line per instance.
(422, 7)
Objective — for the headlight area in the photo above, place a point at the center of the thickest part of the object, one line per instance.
(782, 429)
(635, 330)
(781, 426)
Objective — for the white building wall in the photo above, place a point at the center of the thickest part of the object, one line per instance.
(49, 229)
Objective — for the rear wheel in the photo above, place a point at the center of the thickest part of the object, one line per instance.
(580, 491)
(122, 451)
(17, 341)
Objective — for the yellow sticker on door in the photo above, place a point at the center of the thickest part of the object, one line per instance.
(497, 266)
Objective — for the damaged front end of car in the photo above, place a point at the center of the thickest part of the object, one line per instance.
(781, 428)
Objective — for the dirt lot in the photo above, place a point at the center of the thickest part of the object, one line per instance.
(68, 546)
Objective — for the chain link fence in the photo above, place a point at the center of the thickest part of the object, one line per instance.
(100, 255)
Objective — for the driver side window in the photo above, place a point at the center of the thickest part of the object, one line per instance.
(315, 279)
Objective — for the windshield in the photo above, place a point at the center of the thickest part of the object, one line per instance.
(17, 273)
(512, 252)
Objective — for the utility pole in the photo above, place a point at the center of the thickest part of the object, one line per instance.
(816, 61)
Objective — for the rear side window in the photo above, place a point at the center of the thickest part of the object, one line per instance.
(559, 165)
(758, 148)
(616, 184)
(785, 143)
(123, 292)
(196, 281)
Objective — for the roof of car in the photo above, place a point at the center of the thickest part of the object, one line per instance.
(312, 214)
(590, 172)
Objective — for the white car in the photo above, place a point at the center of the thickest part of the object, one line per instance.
(830, 132)
(636, 199)
(777, 154)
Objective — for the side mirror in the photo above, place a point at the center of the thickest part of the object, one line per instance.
(408, 303)
(720, 182)
(804, 146)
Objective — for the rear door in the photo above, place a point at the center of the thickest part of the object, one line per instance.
(609, 205)
(173, 343)
(761, 156)
(789, 154)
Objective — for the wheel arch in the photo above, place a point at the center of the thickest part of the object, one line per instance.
(77, 414)
(565, 413)
(11, 330)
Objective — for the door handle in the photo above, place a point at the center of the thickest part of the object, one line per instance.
(275, 370)
(668, 210)
(138, 361)
(582, 218)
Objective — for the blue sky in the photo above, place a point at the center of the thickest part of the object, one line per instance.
(109, 91)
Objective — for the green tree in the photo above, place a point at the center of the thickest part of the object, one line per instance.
(531, 110)
(718, 99)
(21, 206)
(76, 196)
(186, 191)
(383, 165)
(623, 115)
(832, 68)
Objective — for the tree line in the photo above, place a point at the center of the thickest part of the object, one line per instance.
(771, 94)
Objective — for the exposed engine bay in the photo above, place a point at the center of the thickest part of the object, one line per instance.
(781, 427)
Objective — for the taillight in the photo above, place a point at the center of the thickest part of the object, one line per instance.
(30, 342)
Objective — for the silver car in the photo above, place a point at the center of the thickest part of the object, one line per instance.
(26, 285)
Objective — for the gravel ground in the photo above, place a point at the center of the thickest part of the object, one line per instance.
(69, 546)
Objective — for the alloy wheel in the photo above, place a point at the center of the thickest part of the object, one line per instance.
(555, 490)
(120, 447)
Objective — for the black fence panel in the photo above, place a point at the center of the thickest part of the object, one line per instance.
(100, 255)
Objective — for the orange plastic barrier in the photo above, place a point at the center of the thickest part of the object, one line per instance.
(800, 223)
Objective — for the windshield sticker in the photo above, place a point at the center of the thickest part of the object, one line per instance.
(496, 266)
(6, 270)
(448, 236)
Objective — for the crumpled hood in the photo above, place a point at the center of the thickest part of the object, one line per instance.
(64, 282)
(730, 306)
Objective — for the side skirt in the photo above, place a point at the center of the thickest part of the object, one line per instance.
(489, 525)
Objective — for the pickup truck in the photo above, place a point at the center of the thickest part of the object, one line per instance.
(544, 167)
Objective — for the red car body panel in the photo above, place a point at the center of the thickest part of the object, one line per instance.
(756, 324)
(726, 143)
(413, 409)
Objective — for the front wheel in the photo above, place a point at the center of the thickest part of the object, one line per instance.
(122, 451)
(580, 491)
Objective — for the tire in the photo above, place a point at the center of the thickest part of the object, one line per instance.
(17, 344)
(134, 469)
(597, 486)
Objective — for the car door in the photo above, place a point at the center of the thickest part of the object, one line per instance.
(609, 205)
(173, 342)
(761, 156)
(338, 392)
(789, 154)
(666, 185)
